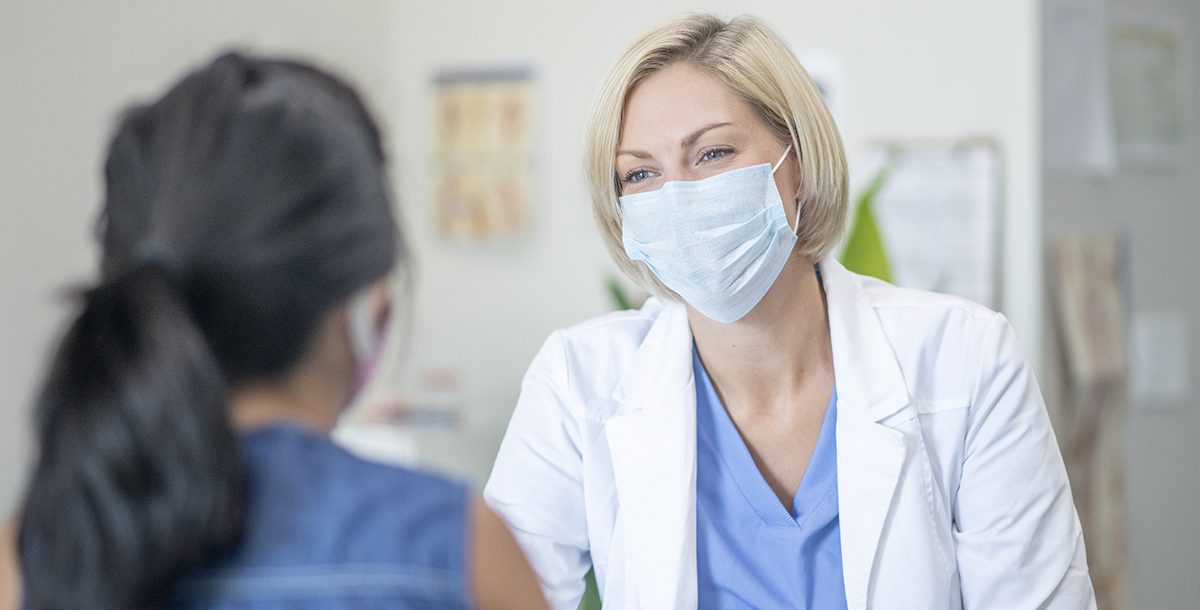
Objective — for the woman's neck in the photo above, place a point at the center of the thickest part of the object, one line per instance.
(312, 394)
(779, 348)
(256, 406)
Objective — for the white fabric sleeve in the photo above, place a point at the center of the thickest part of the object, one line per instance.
(537, 482)
(1017, 536)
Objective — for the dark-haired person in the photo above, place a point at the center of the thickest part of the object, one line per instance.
(184, 461)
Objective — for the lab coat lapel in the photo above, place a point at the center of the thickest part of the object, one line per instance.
(653, 451)
(870, 455)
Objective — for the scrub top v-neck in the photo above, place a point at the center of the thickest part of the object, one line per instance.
(751, 551)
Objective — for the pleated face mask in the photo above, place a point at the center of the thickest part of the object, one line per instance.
(719, 243)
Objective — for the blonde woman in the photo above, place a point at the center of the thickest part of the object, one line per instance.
(771, 430)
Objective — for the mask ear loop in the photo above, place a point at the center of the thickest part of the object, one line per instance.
(795, 229)
(775, 167)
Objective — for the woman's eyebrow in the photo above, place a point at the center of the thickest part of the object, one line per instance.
(695, 135)
(687, 142)
(634, 153)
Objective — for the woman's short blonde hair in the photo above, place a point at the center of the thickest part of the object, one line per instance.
(753, 61)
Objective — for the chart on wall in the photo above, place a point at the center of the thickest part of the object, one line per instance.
(483, 153)
(1148, 72)
(937, 209)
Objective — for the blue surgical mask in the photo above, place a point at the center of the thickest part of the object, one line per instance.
(719, 243)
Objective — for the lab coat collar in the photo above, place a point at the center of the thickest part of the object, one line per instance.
(663, 363)
(869, 380)
(870, 388)
(653, 448)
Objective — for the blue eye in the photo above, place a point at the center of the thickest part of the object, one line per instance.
(713, 154)
(637, 175)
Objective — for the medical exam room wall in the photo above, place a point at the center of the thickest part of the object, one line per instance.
(916, 69)
(1158, 212)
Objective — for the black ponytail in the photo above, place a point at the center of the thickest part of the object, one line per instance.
(139, 473)
(240, 209)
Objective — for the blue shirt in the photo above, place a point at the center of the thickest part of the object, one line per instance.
(751, 551)
(326, 530)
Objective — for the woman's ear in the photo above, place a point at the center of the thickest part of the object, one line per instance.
(799, 196)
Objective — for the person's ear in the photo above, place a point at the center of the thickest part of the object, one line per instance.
(799, 195)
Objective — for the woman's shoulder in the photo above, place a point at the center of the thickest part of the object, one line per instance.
(918, 317)
(617, 326)
(885, 297)
(606, 340)
(297, 474)
(579, 367)
(287, 452)
(911, 319)
(323, 526)
(943, 343)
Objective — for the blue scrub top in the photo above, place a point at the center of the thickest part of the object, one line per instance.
(752, 552)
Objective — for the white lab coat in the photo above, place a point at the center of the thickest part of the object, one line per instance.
(951, 487)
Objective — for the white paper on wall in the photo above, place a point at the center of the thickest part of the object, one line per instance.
(1078, 132)
(1148, 75)
(938, 214)
(1161, 361)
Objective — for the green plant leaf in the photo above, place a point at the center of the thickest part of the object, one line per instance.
(591, 593)
(620, 298)
(865, 252)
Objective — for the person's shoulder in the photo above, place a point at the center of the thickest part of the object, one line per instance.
(429, 512)
(306, 484)
(610, 339)
(292, 452)
(323, 523)
(584, 363)
(940, 341)
(374, 478)
(920, 316)
(617, 326)
(888, 299)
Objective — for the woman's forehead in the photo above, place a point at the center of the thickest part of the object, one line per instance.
(670, 105)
